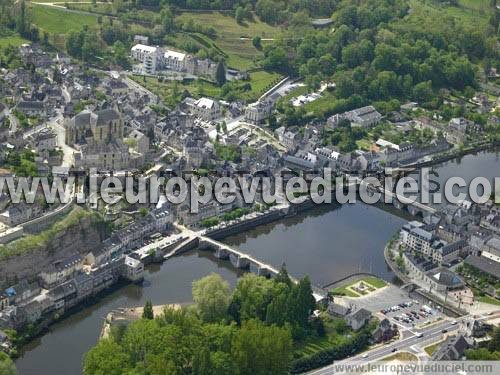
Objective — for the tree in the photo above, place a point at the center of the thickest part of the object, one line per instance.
(276, 59)
(257, 42)
(260, 350)
(305, 302)
(423, 92)
(252, 295)
(21, 22)
(212, 296)
(7, 367)
(494, 344)
(239, 14)
(105, 358)
(220, 75)
(148, 313)
(283, 277)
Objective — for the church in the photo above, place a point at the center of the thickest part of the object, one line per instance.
(98, 139)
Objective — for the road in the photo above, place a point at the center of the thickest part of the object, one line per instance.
(432, 334)
(14, 122)
(56, 123)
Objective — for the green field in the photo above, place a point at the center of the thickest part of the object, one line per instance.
(336, 333)
(477, 5)
(60, 21)
(170, 92)
(261, 81)
(471, 13)
(241, 53)
(92, 8)
(12, 40)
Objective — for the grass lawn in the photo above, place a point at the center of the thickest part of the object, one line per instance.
(241, 54)
(403, 356)
(170, 92)
(432, 348)
(478, 5)
(375, 282)
(60, 21)
(470, 13)
(297, 91)
(12, 40)
(364, 144)
(92, 8)
(490, 300)
(342, 290)
(321, 106)
(261, 81)
(372, 281)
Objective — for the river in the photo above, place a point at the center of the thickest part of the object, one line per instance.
(326, 243)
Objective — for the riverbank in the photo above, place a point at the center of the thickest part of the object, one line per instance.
(412, 287)
(325, 242)
(128, 315)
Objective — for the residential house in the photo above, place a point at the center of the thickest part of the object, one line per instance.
(61, 270)
(117, 87)
(133, 269)
(358, 318)
(44, 140)
(64, 295)
(32, 108)
(21, 292)
(148, 56)
(20, 213)
(452, 349)
(257, 112)
(139, 141)
(111, 248)
(384, 332)
(205, 108)
(363, 117)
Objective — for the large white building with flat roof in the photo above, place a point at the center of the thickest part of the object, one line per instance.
(148, 56)
(154, 59)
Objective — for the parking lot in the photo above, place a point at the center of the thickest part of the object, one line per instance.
(411, 314)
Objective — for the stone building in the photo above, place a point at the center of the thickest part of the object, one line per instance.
(99, 138)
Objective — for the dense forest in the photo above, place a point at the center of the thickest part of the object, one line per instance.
(376, 52)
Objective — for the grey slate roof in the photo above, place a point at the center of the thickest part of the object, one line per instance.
(106, 115)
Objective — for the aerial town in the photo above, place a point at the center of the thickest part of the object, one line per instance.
(426, 285)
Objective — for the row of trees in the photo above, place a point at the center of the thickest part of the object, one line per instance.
(249, 331)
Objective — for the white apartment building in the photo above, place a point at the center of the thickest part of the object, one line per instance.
(147, 55)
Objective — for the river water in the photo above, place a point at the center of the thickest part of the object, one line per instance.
(326, 243)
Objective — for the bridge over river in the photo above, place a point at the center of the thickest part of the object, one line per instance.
(239, 259)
